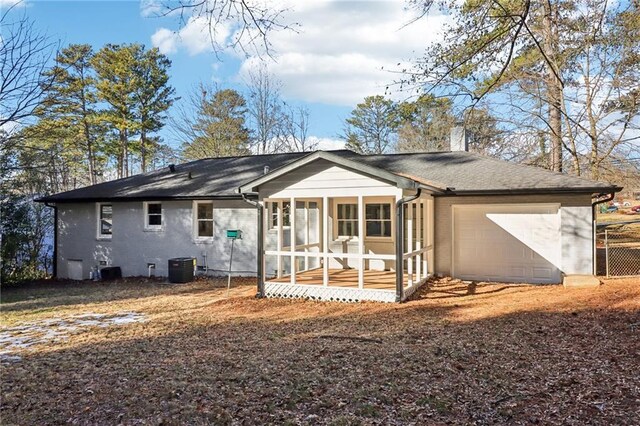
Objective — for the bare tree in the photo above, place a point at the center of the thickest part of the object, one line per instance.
(251, 22)
(265, 110)
(547, 65)
(294, 130)
(24, 53)
(276, 126)
(600, 102)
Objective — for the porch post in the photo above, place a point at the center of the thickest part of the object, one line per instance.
(429, 240)
(292, 238)
(280, 238)
(399, 244)
(260, 243)
(418, 245)
(361, 217)
(305, 209)
(410, 242)
(425, 237)
(325, 240)
(261, 229)
(400, 202)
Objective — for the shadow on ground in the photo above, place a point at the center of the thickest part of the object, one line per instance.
(512, 358)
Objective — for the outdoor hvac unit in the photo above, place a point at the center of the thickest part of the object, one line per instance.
(181, 269)
(110, 273)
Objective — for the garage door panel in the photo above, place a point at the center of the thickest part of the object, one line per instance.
(467, 252)
(510, 243)
(516, 253)
(543, 273)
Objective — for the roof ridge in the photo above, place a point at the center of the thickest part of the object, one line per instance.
(408, 153)
(292, 153)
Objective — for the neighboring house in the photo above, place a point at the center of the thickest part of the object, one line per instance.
(354, 227)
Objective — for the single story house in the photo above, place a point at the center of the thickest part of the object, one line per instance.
(336, 225)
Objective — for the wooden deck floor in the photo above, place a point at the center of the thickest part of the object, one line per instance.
(381, 280)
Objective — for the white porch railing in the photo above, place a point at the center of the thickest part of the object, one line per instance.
(417, 253)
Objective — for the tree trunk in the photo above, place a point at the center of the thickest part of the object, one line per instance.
(143, 151)
(553, 84)
(593, 129)
(90, 154)
(125, 154)
(122, 154)
(87, 135)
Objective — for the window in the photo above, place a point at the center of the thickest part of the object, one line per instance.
(286, 214)
(105, 220)
(153, 216)
(347, 220)
(204, 220)
(378, 220)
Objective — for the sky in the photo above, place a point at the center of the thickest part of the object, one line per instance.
(341, 52)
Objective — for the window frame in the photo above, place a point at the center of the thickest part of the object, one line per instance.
(390, 220)
(99, 234)
(196, 221)
(147, 225)
(272, 218)
(356, 228)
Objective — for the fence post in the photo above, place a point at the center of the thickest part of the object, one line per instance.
(606, 250)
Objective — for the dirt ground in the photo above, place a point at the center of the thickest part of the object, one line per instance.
(142, 352)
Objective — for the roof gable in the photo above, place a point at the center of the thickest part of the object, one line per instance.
(340, 160)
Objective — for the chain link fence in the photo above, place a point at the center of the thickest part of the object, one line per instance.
(618, 249)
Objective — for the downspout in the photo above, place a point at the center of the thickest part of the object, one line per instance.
(260, 253)
(610, 197)
(400, 243)
(55, 238)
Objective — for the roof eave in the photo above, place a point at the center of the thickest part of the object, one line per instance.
(451, 192)
(135, 199)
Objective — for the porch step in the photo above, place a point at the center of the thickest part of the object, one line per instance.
(580, 281)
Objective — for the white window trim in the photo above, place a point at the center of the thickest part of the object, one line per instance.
(99, 234)
(197, 237)
(145, 211)
(392, 220)
(344, 200)
(271, 228)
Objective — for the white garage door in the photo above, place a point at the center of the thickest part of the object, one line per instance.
(507, 243)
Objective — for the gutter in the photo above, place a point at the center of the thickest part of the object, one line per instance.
(400, 242)
(260, 248)
(609, 197)
(55, 238)
(132, 199)
(451, 192)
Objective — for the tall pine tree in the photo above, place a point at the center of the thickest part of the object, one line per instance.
(152, 98)
(68, 112)
(219, 129)
(115, 67)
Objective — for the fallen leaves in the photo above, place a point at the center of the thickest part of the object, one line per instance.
(496, 354)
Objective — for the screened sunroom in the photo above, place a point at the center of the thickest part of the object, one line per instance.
(336, 230)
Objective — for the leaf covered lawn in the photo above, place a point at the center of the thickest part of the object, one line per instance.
(457, 354)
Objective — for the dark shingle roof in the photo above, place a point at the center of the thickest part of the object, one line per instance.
(453, 172)
(468, 172)
(211, 177)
